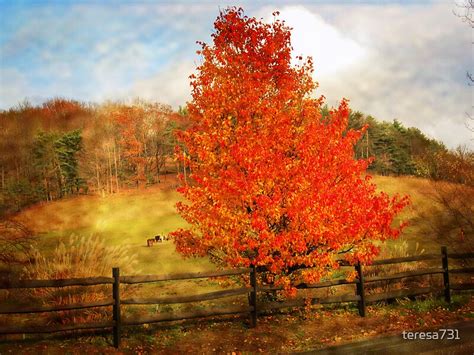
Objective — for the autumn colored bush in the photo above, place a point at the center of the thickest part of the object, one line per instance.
(452, 218)
(455, 166)
(273, 182)
(79, 257)
(16, 241)
(451, 193)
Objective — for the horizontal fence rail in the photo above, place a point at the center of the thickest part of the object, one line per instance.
(300, 286)
(402, 275)
(65, 307)
(87, 281)
(253, 309)
(406, 259)
(173, 316)
(461, 256)
(270, 306)
(463, 287)
(462, 271)
(186, 299)
(401, 294)
(184, 276)
(54, 329)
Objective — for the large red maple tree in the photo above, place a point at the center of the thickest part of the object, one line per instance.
(273, 181)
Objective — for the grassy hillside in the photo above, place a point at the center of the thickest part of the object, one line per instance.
(419, 231)
(425, 216)
(129, 218)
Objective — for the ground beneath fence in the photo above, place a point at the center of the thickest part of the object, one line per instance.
(299, 331)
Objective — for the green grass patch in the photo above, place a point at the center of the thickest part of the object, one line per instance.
(429, 304)
(127, 219)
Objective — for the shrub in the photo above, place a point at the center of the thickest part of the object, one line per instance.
(79, 257)
(15, 243)
(452, 215)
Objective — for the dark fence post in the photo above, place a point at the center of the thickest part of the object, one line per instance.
(447, 290)
(253, 296)
(116, 309)
(360, 289)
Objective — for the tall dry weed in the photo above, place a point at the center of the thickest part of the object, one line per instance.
(79, 257)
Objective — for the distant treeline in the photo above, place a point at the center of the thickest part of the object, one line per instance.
(399, 150)
(65, 147)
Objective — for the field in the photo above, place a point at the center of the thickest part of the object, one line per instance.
(132, 216)
(128, 218)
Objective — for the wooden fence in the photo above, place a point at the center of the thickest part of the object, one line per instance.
(252, 309)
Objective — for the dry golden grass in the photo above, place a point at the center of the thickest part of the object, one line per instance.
(125, 219)
(424, 215)
(79, 257)
(131, 217)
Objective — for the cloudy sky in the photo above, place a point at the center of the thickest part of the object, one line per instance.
(392, 59)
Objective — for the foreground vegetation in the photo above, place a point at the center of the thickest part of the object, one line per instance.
(295, 331)
(127, 219)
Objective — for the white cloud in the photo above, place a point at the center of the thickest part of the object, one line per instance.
(404, 62)
(168, 86)
(391, 61)
(415, 70)
(94, 52)
(13, 87)
(313, 36)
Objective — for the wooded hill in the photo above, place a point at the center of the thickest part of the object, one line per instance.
(398, 150)
(65, 147)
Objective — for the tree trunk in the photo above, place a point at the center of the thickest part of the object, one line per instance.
(141, 178)
(46, 185)
(59, 176)
(97, 172)
(367, 140)
(157, 163)
(116, 170)
(17, 170)
(184, 169)
(109, 172)
(3, 177)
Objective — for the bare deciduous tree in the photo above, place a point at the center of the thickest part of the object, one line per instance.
(15, 242)
(465, 11)
(451, 216)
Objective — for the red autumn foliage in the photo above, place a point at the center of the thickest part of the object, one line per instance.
(273, 182)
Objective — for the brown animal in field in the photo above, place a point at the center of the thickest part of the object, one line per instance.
(150, 242)
(158, 238)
